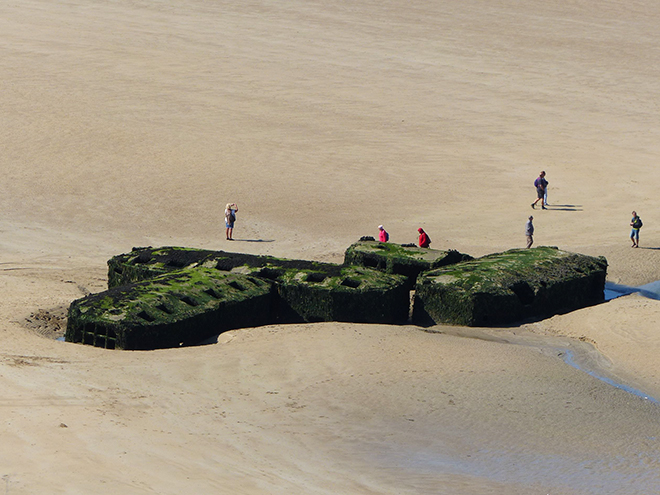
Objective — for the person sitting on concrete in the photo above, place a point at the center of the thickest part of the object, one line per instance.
(383, 236)
(424, 239)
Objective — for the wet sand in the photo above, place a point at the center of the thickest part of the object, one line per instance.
(132, 123)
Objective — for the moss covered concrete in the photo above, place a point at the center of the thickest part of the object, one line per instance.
(507, 287)
(186, 295)
(183, 307)
(327, 292)
(401, 260)
(144, 263)
(163, 297)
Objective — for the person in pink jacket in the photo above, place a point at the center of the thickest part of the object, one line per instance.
(383, 236)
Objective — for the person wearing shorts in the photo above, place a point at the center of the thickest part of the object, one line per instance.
(540, 183)
(230, 218)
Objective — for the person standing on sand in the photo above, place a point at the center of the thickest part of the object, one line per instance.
(545, 192)
(636, 224)
(540, 183)
(424, 239)
(383, 236)
(230, 218)
(529, 232)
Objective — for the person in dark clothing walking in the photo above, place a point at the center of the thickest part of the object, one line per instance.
(541, 184)
(529, 232)
(636, 224)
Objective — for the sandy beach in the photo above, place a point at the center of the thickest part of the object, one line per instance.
(132, 123)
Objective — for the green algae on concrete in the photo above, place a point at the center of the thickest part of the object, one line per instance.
(308, 290)
(144, 263)
(401, 260)
(179, 308)
(311, 292)
(507, 287)
(162, 297)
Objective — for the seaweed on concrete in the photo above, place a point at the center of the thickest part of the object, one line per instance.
(157, 290)
(506, 287)
(179, 308)
(144, 263)
(165, 297)
(400, 259)
(326, 292)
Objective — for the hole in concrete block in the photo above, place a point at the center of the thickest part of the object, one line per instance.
(236, 285)
(189, 301)
(270, 273)
(164, 309)
(256, 281)
(213, 293)
(224, 265)
(351, 282)
(145, 316)
(370, 262)
(316, 277)
(142, 258)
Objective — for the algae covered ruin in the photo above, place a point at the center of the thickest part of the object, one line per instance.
(186, 295)
(407, 260)
(172, 296)
(170, 310)
(507, 287)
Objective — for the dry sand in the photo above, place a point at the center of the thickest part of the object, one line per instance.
(130, 123)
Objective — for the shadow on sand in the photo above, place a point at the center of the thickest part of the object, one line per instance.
(253, 240)
(565, 207)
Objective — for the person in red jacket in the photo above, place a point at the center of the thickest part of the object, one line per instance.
(424, 239)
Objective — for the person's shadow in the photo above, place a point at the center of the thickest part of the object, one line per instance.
(254, 240)
(564, 207)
